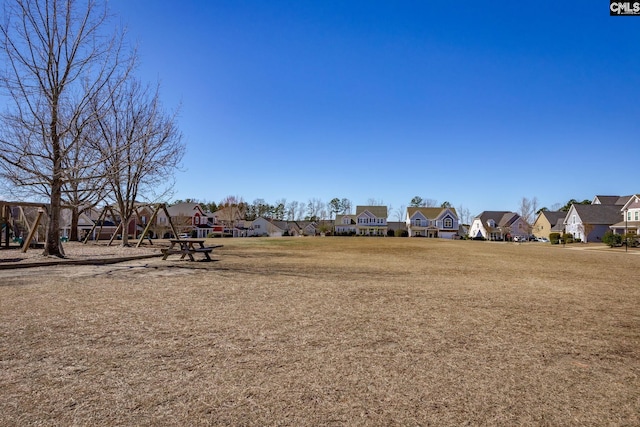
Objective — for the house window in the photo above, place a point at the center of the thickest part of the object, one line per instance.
(448, 223)
(637, 214)
(629, 215)
(256, 226)
(573, 219)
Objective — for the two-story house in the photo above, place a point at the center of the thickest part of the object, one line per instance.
(345, 225)
(187, 218)
(371, 220)
(548, 222)
(630, 212)
(432, 222)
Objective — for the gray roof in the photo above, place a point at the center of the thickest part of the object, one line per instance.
(612, 200)
(598, 214)
(554, 217)
(501, 218)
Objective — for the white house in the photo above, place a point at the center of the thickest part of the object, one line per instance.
(588, 223)
(498, 225)
(266, 227)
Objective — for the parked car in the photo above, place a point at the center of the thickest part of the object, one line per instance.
(183, 236)
(543, 240)
(519, 239)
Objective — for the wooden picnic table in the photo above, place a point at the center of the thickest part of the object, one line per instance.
(188, 247)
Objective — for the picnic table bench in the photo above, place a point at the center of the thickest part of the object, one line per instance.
(188, 247)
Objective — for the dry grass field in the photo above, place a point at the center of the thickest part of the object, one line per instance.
(328, 331)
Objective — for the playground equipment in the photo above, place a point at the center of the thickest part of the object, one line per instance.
(110, 211)
(20, 218)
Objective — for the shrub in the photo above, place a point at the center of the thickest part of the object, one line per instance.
(554, 238)
(612, 239)
(401, 233)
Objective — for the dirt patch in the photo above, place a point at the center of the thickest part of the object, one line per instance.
(327, 331)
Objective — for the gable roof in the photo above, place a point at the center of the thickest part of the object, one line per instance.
(633, 201)
(377, 211)
(596, 214)
(430, 213)
(186, 209)
(501, 218)
(611, 200)
(554, 216)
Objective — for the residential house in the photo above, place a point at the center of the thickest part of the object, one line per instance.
(432, 222)
(345, 225)
(230, 221)
(630, 217)
(588, 223)
(547, 222)
(187, 218)
(498, 225)
(610, 200)
(268, 227)
(85, 223)
(371, 220)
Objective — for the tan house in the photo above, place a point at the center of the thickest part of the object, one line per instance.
(547, 222)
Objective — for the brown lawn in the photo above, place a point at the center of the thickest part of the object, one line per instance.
(328, 331)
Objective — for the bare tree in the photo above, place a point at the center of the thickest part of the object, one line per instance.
(528, 209)
(291, 210)
(346, 206)
(234, 209)
(374, 202)
(140, 144)
(464, 215)
(301, 209)
(56, 59)
(315, 209)
(85, 186)
(401, 212)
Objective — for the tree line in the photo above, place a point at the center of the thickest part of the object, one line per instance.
(80, 128)
(315, 209)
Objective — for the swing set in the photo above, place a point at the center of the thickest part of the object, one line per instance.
(18, 219)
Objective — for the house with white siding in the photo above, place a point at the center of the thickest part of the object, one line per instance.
(498, 225)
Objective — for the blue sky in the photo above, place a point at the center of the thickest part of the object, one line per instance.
(475, 103)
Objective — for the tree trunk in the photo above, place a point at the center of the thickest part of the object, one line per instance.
(52, 246)
(75, 218)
